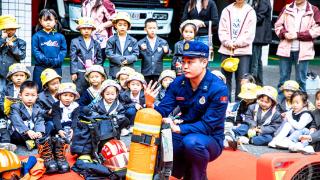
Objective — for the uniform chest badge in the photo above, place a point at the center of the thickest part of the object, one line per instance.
(159, 49)
(202, 100)
(129, 49)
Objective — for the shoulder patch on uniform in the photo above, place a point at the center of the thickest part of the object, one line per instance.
(224, 99)
(202, 100)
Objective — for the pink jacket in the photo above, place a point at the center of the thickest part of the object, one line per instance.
(246, 35)
(309, 30)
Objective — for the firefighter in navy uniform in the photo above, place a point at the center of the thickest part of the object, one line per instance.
(202, 97)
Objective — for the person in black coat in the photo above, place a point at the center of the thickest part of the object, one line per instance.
(84, 52)
(263, 37)
(205, 11)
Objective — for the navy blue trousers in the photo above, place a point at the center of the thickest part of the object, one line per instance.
(192, 153)
(131, 114)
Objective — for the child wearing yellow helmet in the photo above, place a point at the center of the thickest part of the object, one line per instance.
(12, 48)
(50, 80)
(84, 52)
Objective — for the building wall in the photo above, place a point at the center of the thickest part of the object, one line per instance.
(21, 9)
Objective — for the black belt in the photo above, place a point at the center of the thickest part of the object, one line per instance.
(145, 139)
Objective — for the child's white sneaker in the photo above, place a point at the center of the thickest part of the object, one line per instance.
(273, 143)
(296, 147)
(308, 149)
(8, 146)
(284, 143)
(243, 140)
(124, 132)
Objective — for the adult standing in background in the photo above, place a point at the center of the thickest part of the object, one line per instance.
(237, 29)
(297, 27)
(204, 11)
(263, 37)
(102, 12)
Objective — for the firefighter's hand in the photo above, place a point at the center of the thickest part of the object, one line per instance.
(74, 77)
(166, 120)
(4, 35)
(62, 133)
(150, 93)
(175, 128)
(143, 46)
(32, 134)
(138, 106)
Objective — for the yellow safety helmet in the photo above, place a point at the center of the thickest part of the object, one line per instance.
(290, 85)
(8, 101)
(167, 73)
(230, 64)
(85, 22)
(8, 161)
(48, 75)
(8, 22)
(248, 91)
(269, 91)
(122, 16)
(67, 88)
(18, 67)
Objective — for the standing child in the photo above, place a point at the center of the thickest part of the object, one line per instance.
(84, 52)
(122, 49)
(166, 77)
(49, 47)
(65, 114)
(247, 78)
(12, 48)
(297, 122)
(50, 83)
(133, 98)
(262, 118)
(189, 30)
(152, 51)
(123, 75)
(95, 75)
(110, 105)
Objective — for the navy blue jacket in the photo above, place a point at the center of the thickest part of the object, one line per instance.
(128, 103)
(113, 52)
(57, 116)
(79, 53)
(45, 101)
(203, 111)
(10, 55)
(178, 48)
(49, 49)
(152, 60)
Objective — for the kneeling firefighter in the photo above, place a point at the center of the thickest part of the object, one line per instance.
(203, 99)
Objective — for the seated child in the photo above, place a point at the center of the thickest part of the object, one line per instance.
(84, 52)
(122, 77)
(110, 105)
(27, 117)
(314, 137)
(166, 77)
(287, 89)
(95, 75)
(133, 98)
(65, 114)
(297, 122)
(17, 74)
(50, 83)
(247, 78)
(262, 118)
